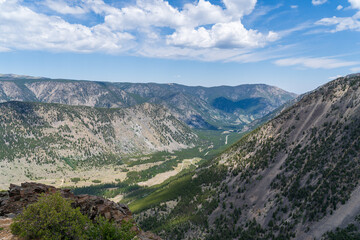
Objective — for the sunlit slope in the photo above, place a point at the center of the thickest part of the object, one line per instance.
(50, 138)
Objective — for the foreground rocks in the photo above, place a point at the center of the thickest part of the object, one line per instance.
(18, 197)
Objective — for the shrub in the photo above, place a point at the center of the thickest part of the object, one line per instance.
(75, 180)
(105, 230)
(52, 217)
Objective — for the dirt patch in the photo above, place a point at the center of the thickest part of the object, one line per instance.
(5, 233)
(63, 178)
(161, 177)
(117, 198)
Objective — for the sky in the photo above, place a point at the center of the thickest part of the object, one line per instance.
(296, 45)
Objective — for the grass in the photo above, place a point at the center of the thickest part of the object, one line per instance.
(141, 198)
(107, 189)
(70, 162)
(168, 191)
(150, 158)
(217, 139)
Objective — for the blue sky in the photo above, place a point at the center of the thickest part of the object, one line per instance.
(296, 45)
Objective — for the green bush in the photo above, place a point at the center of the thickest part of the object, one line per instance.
(105, 230)
(75, 180)
(52, 217)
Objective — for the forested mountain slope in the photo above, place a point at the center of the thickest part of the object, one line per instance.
(297, 176)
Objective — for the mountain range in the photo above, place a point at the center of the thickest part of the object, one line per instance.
(199, 107)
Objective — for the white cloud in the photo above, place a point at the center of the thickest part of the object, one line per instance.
(198, 30)
(334, 77)
(22, 28)
(294, 6)
(204, 13)
(63, 7)
(155, 13)
(345, 23)
(318, 2)
(221, 35)
(4, 49)
(239, 8)
(355, 70)
(355, 4)
(314, 63)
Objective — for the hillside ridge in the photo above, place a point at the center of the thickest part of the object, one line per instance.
(193, 105)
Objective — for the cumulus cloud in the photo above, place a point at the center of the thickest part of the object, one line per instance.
(135, 28)
(318, 2)
(339, 7)
(221, 35)
(204, 13)
(314, 63)
(22, 28)
(239, 8)
(355, 4)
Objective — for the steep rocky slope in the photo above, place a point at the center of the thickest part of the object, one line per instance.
(199, 107)
(297, 176)
(53, 138)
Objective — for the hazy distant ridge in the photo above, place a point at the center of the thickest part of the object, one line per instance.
(197, 106)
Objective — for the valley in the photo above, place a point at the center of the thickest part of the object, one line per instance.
(79, 142)
(65, 129)
(290, 174)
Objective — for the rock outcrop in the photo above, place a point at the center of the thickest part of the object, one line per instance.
(17, 198)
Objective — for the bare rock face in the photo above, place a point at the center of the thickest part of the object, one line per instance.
(18, 197)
